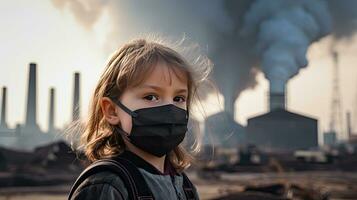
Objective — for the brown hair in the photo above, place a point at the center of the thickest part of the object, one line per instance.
(126, 68)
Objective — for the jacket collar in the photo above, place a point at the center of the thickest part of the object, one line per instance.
(141, 163)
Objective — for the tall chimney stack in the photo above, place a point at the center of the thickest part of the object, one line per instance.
(277, 99)
(3, 123)
(51, 118)
(31, 115)
(349, 126)
(76, 97)
(229, 105)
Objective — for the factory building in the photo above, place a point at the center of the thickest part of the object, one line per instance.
(330, 138)
(221, 130)
(280, 129)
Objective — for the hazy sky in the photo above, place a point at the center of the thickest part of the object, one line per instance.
(35, 31)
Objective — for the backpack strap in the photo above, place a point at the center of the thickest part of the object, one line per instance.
(144, 192)
(188, 188)
(128, 172)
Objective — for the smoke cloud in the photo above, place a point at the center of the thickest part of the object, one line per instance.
(344, 18)
(239, 36)
(284, 31)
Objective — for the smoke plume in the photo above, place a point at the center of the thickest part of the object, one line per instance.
(239, 36)
(284, 30)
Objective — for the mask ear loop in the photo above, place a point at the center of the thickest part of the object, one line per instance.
(127, 110)
(124, 134)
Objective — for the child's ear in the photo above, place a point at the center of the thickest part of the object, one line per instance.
(109, 111)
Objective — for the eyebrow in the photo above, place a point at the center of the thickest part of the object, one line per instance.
(183, 90)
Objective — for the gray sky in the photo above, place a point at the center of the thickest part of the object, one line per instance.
(54, 39)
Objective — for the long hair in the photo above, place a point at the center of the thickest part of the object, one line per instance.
(128, 67)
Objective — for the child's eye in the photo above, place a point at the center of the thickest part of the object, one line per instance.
(179, 99)
(151, 97)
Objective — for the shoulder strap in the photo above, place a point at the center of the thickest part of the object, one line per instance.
(143, 190)
(128, 172)
(188, 188)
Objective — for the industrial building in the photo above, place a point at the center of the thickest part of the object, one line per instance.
(280, 129)
(222, 130)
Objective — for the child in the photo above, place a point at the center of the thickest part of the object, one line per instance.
(139, 113)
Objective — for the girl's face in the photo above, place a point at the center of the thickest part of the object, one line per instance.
(164, 85)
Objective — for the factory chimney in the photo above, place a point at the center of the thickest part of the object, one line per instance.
(76, 98)
(31, 115)
(51, 118)
(349, 126)
(3, 123)
(277, 99)
(229, 105)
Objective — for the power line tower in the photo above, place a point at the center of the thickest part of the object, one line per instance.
(336, 121)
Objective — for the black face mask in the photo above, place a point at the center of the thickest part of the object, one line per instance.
(156, 130)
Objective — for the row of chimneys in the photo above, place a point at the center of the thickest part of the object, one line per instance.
(31, 109)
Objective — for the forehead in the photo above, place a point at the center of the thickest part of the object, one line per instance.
(164, 75)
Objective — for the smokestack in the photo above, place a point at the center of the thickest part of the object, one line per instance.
(229, 105)
(51, 118)
(349, 127)
(277, 99)
(31, 115)
(3, 123)
(76, 109)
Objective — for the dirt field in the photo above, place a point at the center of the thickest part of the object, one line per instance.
(340, 185)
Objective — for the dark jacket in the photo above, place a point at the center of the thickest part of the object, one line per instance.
(109, 186)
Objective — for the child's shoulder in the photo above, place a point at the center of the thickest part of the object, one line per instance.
(101, 185)
(105, 177)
